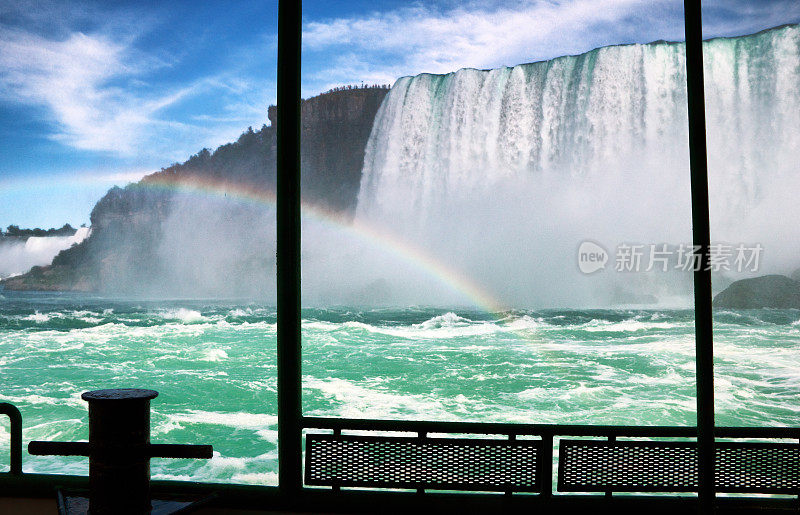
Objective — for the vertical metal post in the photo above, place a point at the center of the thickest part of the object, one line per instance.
(15, 418)
(611, 439)
(512, 437)
(422, 435)
(288, 248)
(704, 341)
(546, 466)
(119, 462)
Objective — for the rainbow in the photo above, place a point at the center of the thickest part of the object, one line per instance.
(373, 236)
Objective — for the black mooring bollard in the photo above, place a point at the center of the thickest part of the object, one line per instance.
(119, 450)
(119, 464)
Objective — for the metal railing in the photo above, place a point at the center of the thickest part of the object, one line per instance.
(39, 485)
(16, 436)
(547, 432)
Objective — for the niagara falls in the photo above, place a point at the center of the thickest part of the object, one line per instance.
(468, 227)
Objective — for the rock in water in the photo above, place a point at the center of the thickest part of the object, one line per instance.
(769, 291)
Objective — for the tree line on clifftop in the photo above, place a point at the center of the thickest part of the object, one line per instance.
(362, 86)
(13, 231)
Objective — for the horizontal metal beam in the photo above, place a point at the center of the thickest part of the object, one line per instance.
(156, 450)
(37, 448)
(541, 429)
(353, 501)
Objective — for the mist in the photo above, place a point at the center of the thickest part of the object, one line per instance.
(500, 175)
(478, 187)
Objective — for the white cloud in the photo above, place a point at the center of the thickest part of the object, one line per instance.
(96, 94)
(419, 39)
(74, 79)
(383, 46)
(94, 87)
(80, 178)
(736, 17)
(120, 178)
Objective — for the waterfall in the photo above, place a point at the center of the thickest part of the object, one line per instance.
(502, 173)
(17, 257)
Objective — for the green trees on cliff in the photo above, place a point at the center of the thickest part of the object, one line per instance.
(13, 231)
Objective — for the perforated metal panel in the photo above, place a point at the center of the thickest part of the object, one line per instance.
(434, 463)
(601, 466)
(758, 467)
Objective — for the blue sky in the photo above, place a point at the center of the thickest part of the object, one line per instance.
(94, 94)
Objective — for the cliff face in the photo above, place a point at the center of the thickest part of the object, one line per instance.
(335, 128)
(768, 291)
(131, 226)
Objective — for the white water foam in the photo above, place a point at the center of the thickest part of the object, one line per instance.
(214, 355)
(441, 327)
(187, 316)
(39, 318)
(260, 423)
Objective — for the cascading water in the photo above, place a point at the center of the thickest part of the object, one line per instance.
(503, 173)
(17, 257)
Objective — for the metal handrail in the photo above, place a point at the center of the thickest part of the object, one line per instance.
(16, 435)
(488, 428)
(547, 432)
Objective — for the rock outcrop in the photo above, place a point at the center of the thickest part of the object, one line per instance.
(769, 291)
(124, 252)
(335, 128)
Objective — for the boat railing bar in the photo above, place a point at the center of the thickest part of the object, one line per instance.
(543, 430)
(548, 433)
(16, 435)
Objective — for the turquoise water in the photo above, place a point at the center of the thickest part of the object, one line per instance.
(214, 366)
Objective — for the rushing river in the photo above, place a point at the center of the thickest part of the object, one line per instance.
(214, 366)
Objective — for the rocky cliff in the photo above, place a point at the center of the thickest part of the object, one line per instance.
(335, 128)
(134, 236)
(769, 291)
